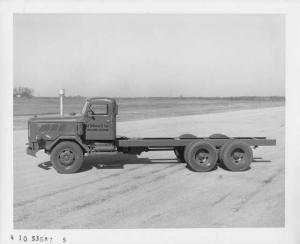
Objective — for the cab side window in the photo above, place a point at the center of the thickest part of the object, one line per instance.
(99, 109)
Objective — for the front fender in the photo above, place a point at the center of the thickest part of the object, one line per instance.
(51, 144)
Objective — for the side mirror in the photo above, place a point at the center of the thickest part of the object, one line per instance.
(116, 109)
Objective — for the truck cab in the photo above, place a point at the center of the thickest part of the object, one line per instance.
(100, 119)
(68, 138)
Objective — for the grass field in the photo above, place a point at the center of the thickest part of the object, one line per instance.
(142, 108)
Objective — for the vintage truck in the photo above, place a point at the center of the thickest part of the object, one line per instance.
(67, 139)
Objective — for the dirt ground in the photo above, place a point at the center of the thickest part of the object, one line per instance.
(153, 190)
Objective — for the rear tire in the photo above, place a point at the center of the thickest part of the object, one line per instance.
(179, 151)
(201, 156)
(187, 136)
(67, 157)
(221, 150)
(218, 136)
(236, 156)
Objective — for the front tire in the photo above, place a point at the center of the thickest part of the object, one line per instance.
(67, 157)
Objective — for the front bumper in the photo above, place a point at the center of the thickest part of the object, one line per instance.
(32, 149)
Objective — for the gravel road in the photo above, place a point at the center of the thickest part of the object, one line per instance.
(153, 190)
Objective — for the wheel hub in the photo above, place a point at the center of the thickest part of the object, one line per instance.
(66, 157)
(203, 157)
(238, 156)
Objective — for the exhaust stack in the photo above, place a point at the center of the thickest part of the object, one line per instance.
(61, 94)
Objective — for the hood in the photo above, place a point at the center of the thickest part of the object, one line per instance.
(57, 119)
(51, 127)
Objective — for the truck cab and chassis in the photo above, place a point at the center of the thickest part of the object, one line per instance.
(67, 139)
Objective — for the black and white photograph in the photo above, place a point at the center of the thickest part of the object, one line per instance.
(148, 121)
(183, 126)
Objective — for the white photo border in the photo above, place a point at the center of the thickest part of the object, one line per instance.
(288, 234)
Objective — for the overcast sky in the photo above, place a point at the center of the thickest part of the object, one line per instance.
(150, 54)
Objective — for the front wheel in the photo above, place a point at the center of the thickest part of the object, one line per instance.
(67, 157)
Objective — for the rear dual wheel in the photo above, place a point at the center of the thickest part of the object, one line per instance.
(201, 156)
(236, 155)
(179, 151)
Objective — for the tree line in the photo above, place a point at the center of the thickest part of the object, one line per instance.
(23, 92)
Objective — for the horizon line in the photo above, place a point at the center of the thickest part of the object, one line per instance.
(79, 96)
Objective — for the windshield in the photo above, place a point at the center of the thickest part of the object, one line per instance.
(85, 106)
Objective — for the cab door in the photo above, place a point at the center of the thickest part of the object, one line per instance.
(101, 123)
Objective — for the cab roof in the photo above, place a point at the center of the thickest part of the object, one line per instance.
(102, 99)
